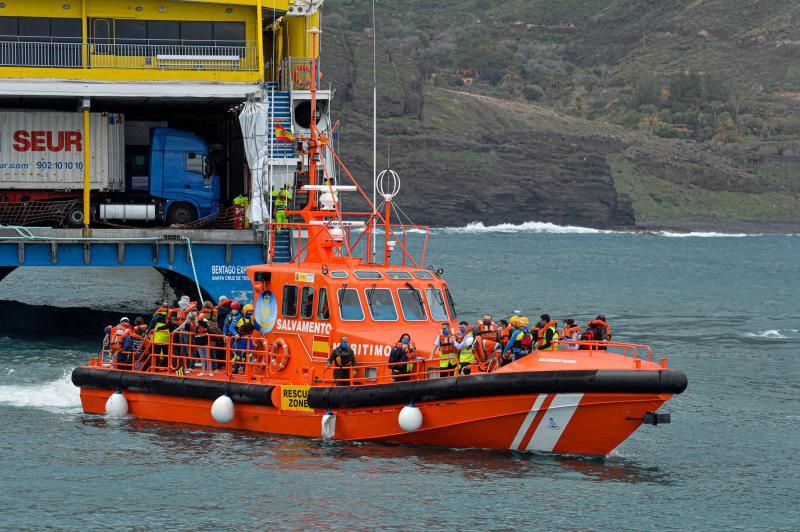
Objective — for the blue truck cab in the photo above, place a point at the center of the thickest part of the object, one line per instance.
(181, 175)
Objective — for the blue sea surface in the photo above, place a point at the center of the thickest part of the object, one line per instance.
(723, 309)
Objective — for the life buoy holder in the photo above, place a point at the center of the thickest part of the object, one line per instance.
(279, 356)
(302, 82)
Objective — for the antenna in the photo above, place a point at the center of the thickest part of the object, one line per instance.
(374, 131)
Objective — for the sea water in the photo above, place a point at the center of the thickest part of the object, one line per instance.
(723, 309)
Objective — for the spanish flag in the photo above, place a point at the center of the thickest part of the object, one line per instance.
(321, 347)
(283, 134)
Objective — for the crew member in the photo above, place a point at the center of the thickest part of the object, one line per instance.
(488, 352)
(160, 327)
(520, 341)
(281, 198)
(571, 333)
(547, 334)
(344, 358)
(488, 328)
(445, 347)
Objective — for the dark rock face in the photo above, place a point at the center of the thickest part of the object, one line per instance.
(462, 160)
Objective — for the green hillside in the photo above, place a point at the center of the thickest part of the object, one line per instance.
(684, 110)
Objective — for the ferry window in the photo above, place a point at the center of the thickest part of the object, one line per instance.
(411, 303)
(65, 29)
(338, 275)
(365, 274)
(349, 305)
(436, 304)
(130, 32)
(451, 304)
(229, 33)
(8, 28)
(289, 308)
(381, 304)
(200, 33)
(34, 26)
(398, 275)
(163, 32)
(307, 303)
(422, 274)
(323, 310)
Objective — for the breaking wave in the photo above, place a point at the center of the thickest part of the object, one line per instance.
(58, 395)
(771, 333)
(527, 227)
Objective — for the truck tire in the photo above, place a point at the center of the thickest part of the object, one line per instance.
(74, 216)
(181, 214)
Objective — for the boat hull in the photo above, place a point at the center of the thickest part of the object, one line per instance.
(574, 423)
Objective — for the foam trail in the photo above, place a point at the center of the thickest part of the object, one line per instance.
(701, 234)
(772, 333)
(55, 396)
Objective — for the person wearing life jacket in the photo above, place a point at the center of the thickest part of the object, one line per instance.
(242, 338)
(119, 342)
(281, 200)
(464, 345)
(503, 332)
(488, 352)
(547, 334)
(160, 326)
(344, 359)
(602, 330)
(488, 328)
(228, 328)
(400, 358)
(446, 348)
(571, 333)
(137, 339)
(520, 342)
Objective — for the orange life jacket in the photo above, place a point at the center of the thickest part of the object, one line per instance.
(601, 323)
(488, 331)
(446, 346)
(116, 336)
(541, 332)
(505, 334)
(484, 347)
(568, 332)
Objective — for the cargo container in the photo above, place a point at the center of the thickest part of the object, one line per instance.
(168, 180)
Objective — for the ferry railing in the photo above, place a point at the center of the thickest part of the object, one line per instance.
(635, 351)
(150, 54)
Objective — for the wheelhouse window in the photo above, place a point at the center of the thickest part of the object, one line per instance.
(436, 304)
(381, 305)
(289, 306)
(398, 275)
(367, 274)
(323, 310)
(338, 275)
(412, 305)
(349, 305)
(307, 302)
(451, 304)
(423, 274)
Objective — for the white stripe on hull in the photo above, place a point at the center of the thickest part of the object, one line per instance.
(523, 429)
(555, 421)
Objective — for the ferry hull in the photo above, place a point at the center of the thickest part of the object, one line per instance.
(572, 423)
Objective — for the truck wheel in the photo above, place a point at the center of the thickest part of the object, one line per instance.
(74, 217)
(180, 214)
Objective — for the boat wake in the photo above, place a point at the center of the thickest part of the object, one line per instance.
(59, 395)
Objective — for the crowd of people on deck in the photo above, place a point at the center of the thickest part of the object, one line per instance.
(202, 336)
(199, 336)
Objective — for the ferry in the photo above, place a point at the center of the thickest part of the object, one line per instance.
(362, 276)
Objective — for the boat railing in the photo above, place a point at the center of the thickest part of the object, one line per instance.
(352, 237)
(370, 373)
(589, 347)
(189, 353)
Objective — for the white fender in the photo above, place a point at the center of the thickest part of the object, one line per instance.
(410, 418)
(222, 410)
(328, 426)
(117, 405)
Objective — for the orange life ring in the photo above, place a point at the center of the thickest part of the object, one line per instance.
(278, 363)
(296, 76)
